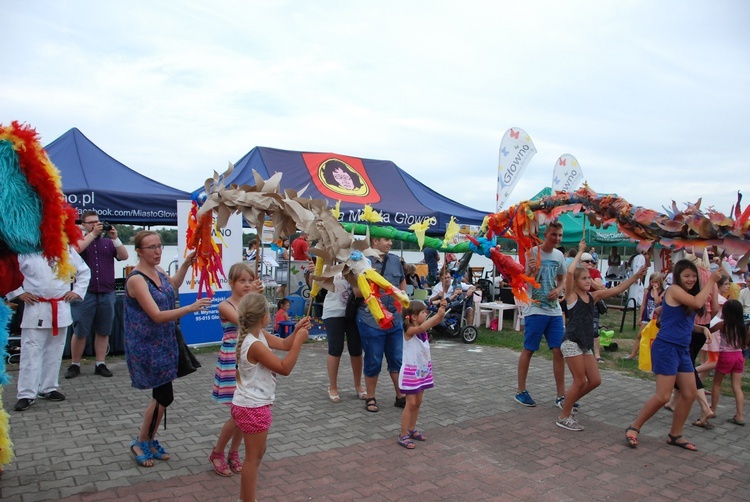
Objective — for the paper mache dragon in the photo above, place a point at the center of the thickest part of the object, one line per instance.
(35, 218)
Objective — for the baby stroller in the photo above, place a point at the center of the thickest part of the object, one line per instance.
(454, 322)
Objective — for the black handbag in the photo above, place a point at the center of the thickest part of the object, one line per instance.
(353, 303)
(186, 362)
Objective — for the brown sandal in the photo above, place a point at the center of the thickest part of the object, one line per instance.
(703, 423)
(630, 439)
(371, 405)
(674, 441)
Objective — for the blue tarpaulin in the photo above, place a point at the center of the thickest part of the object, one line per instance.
(92, 180)
(400, 198)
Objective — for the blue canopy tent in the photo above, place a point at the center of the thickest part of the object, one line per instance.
(92, 180)
(397, 196)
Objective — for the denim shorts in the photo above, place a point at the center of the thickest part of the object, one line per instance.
(670, 359)
(95, 312)
(551, 326)
(377, 342)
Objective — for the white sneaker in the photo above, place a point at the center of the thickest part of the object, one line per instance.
(569, 423)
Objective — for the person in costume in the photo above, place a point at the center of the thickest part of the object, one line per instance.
(46, 317)
(32, 200)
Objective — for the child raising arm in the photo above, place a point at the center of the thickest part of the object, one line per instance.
(416, 370)
(578, 341)
(257, 368)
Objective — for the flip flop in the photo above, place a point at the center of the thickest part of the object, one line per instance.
(674, 441)
(703, 423)
(734, 421)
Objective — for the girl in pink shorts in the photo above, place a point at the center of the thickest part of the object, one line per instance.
(257, 367)
(731, 361)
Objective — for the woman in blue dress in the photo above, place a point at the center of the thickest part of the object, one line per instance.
(150, 343)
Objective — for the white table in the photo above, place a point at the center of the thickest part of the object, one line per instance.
(496, 310)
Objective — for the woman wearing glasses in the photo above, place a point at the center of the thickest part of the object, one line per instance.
(150, 343)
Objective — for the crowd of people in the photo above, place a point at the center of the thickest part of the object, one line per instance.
(698, 314)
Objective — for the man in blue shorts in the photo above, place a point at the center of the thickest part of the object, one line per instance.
(544, 315)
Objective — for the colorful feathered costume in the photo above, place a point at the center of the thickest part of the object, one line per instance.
(35, 218)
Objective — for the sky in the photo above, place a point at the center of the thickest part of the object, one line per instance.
(650, 97)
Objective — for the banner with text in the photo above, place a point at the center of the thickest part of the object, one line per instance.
(204, 327)
(516, 151)
(567, 174)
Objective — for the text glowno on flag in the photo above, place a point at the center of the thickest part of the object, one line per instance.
(567, 174)
(516, 150)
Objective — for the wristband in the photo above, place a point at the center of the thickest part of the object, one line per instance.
(117, 242)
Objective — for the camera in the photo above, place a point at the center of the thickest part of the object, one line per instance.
(106, 226)
(601, 307)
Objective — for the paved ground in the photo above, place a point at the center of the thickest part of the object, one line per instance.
(482, 445)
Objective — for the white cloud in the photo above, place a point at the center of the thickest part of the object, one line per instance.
(650, 97)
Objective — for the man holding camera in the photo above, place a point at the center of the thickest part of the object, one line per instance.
(96, 312)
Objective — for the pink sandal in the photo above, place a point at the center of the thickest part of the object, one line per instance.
(234, 461)
(221, 468)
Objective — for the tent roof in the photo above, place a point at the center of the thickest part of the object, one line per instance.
(399, 197)
(92, 180)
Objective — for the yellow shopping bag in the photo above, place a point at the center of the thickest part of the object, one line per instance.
(647, 338)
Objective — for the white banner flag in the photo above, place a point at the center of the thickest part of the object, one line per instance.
(567, 174)
(516, 150)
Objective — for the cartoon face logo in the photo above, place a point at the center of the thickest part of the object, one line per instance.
(342, 178)
(339, 177)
